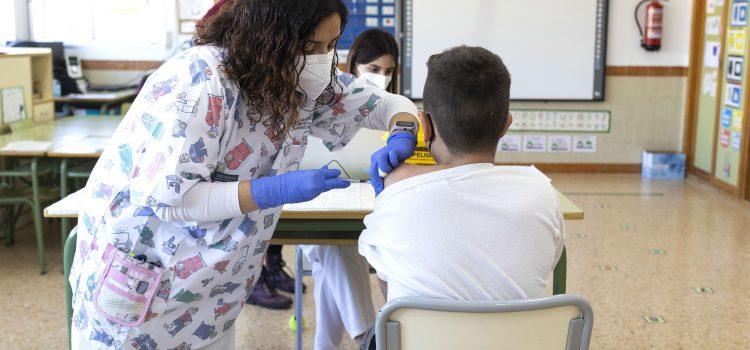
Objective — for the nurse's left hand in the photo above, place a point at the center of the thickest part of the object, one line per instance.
(295, 186)
(399, 147)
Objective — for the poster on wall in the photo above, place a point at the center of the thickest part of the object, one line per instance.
(708, 86)
(726, 117)
(558, 143)
(509, 143)
(736, 139)
(739, 13)
(735, 67)
(13, 104)
(711, 54)
(736, 121)
(584, 143)
(736, 41)
(534, 143)
(724, 138)
(713, 25)
(733, 97)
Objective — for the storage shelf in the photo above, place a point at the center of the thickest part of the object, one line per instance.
(43, 100)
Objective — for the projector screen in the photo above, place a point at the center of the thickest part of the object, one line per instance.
(554, 49)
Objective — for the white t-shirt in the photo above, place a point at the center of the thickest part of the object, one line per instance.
(474, 232)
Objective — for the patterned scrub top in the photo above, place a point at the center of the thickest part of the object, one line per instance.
(190, 124)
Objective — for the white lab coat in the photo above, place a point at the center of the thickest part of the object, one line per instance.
(190, 125)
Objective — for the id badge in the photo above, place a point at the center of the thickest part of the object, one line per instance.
(126, 288)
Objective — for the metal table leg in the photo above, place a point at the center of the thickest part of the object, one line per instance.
(298, 273)
(559, 274)
(63, 193)
(36, 213)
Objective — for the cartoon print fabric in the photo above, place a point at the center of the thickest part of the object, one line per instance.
(188, 125)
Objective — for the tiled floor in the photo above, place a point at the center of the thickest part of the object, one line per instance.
(664, 264)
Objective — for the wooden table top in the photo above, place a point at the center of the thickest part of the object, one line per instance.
(97, 97)
(64, 131)
(352, 203)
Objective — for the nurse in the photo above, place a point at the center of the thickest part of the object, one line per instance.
(343, 298)
(180, 208)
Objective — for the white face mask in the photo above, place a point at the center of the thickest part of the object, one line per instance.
(376, 79)
(316, 75)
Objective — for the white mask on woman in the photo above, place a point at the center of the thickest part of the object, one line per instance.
(316, 75)
(376, 79)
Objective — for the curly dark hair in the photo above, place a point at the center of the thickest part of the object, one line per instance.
(262, 39)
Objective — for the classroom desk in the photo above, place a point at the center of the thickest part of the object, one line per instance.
(334, 218)
(55, 133)
(67, 137)
(90, 147)
(35, 141)
(103, 99)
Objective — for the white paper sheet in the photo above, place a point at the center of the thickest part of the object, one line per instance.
(27, 146)
(68, 206)
(91, 144)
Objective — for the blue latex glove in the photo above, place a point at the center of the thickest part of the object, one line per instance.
(398, 148)
(294, 186)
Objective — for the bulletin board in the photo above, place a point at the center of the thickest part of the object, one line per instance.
(368, 14)
(733, 102)
(709, 77)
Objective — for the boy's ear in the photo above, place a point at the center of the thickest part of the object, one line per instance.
(508, 122)
(425, 125)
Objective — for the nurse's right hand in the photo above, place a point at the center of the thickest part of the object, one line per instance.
(294, 186)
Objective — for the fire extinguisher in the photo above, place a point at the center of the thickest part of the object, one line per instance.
(651, 32)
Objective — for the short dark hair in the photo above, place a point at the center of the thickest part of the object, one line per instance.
(369, 46)
(467, 96)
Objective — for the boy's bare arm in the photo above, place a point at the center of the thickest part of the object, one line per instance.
(405, 171)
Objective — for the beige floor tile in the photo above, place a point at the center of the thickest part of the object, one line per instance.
(705, 236)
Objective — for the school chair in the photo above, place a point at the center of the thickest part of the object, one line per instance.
(13, 198)
(428, 323)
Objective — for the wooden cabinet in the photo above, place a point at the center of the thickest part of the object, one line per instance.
(28, 70)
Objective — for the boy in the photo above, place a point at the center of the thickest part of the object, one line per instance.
(465, 229)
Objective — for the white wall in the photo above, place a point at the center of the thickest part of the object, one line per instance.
(623, 41)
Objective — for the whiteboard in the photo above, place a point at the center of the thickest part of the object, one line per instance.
(554, 49)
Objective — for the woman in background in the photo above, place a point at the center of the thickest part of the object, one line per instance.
(343, 297)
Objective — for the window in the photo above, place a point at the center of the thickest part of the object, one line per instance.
(111, 23)
(7, 21)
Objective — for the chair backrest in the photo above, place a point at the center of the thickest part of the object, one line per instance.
(558, 322)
